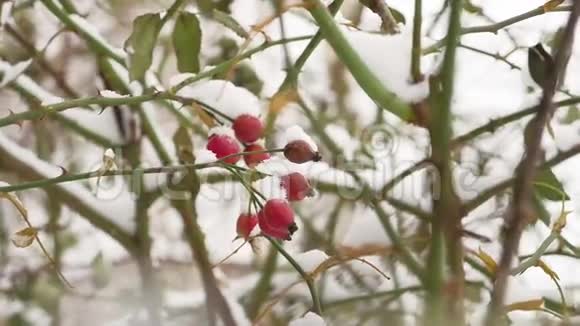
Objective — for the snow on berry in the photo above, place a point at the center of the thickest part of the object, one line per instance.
(299, 151)
(248, 128)
(254, 159)
(296, 132)
(222, 144)
(297, 186)
(245, 224)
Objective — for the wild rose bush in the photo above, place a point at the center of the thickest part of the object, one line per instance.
(289, 162)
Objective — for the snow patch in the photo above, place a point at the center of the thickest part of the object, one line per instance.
(310, 260)
(310, 319)
(11, 72)
(224, 96)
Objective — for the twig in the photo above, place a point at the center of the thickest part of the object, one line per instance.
(416, 47)
(359, 69)
(446, 244)
(316, 307)
(494, 28)
(520, 208)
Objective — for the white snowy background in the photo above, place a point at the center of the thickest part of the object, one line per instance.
(485, 89)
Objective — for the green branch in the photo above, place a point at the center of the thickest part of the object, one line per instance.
(316, 306)
(133, 100)
(368, 81)
(446, 244)
(416, 47)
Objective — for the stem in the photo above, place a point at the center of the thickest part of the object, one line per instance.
(446, 243)
(503, 185)
(494, 28)
(518, 216)
(416, 50)
(260, 293)
(171, 11)
(27, 170)
(317, 308)
(405, 253)
(95, 41)
(533, 260)
(225, 66)
(130, 172)
(358, 68)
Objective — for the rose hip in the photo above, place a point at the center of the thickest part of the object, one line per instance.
(255, 159)
(248, 128)
(299, 151)
(277, 219)
(245, 224)
(297, 186)
(224, 145)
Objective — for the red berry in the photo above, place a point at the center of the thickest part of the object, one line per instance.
(245, 224)
(277, 219)
(299, 151)
(270, 231)
(255, 159)
(248, 128)
(297, 186)
(224, 145)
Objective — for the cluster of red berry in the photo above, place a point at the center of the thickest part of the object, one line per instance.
(276, 218)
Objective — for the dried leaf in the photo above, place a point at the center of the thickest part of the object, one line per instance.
(205, 117)
(25, 237)
(281, 99)
(489, 262)
(552, 4)
(561, 221)
(528, 305)
(16, 202)
(549, 271)
(183, 145)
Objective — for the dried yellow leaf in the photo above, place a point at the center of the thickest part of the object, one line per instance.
(24, 237)
(552, 4)
(549, 271)
(528, 305)
(207, 119)
(489, 262)
(561, 221)
(281, 99)
(16, 202)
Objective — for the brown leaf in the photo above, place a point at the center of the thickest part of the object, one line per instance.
(24, 237)
(16, 202)
(281, 99)
(549, 271)
(489, 262)
(207, 119)
(528, 305)
(552, 4)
